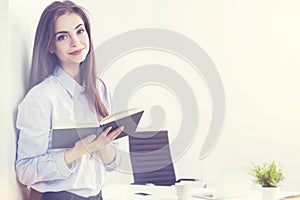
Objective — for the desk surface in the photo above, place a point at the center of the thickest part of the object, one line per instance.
(117, 192)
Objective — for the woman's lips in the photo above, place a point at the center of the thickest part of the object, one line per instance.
(76, 52)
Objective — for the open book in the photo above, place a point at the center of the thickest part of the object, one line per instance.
(67, 137)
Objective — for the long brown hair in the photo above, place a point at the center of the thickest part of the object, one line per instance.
(44, 62)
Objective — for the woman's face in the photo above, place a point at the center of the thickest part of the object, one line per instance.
(71, 41)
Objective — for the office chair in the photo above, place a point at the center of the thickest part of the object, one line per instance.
(151, 159)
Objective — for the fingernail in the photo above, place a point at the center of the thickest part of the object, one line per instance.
(109, 128)
(122, 128)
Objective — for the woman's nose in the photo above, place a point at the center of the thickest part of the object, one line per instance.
(75, 41)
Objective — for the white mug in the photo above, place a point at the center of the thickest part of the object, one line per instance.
(182, 190)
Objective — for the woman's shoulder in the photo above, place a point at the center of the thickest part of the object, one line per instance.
(47, 84)
(41, 91)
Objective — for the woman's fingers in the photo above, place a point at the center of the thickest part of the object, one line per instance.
(112, 135)
(93, 143)
(105, 137)
(106, 131)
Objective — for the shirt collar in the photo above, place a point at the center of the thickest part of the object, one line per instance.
(67, 81)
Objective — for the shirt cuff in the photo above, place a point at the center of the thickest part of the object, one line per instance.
(115, 163)
(63, 167)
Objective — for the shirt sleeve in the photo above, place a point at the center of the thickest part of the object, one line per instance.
(34, 162)
(117, 159)
(116, 162)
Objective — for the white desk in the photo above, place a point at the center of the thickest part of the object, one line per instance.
(128, 192)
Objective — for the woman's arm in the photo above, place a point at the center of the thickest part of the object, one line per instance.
(34, 162)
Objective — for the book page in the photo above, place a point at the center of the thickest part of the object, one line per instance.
(119, 115)
(75, 125)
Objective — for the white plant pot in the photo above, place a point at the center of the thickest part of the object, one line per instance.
(270, 193)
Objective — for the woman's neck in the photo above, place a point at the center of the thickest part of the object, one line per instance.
(73, 71)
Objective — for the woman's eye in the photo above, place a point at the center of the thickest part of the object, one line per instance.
(80, 31)
(62, 37)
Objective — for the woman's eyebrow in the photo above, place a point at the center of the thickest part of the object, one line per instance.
(68, 31)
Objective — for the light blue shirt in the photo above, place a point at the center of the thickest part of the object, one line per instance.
(56, 102)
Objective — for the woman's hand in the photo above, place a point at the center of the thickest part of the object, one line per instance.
(91, 144)
(104, 138)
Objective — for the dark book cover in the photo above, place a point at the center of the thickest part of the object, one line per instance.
(66, 138)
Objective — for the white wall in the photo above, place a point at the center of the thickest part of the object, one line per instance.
(254, 45)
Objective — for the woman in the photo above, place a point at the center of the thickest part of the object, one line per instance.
(64, 90)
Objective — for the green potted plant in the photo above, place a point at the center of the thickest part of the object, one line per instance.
(268, 175)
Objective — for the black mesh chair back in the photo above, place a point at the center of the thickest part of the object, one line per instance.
(151, 158)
